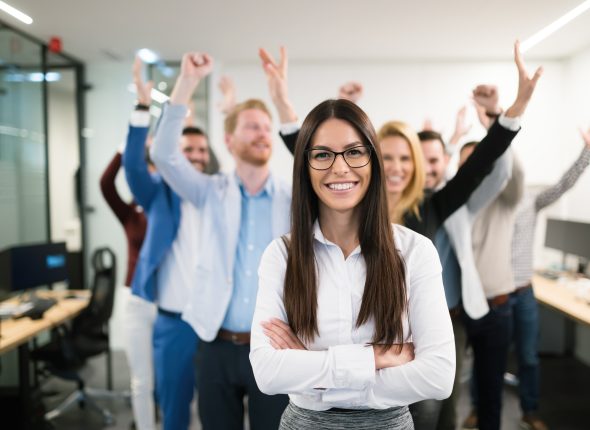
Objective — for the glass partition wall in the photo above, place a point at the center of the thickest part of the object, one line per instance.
(40, 139)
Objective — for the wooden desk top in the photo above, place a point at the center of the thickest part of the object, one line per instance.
(560, 296)
(16, 332)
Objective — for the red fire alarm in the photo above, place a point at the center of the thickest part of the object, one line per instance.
(54, 44)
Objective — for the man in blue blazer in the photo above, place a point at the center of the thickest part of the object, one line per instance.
(166, 264)
(241, 212)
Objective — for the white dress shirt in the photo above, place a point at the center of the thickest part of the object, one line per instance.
(338, 369)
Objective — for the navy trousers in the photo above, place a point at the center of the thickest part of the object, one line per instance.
(175, 347)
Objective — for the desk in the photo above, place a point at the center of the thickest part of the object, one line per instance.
(17, 333)
(557, 295)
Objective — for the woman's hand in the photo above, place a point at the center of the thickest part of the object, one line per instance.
(280, 335)
(526, 85)
(391, 356)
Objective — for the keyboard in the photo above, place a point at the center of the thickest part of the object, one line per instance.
(40, 305)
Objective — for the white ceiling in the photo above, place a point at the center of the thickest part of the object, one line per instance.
(313, 30)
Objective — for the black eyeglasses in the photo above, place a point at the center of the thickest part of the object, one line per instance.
(323, 159)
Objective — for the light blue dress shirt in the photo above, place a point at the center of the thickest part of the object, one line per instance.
(220, 202)
(255, 235)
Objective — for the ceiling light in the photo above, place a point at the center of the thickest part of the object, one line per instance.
(148, 56)
(23, 17)
(554, 26)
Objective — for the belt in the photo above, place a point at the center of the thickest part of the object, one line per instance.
(494, 302)
(524, 288)
(242, 338)
(169, 313)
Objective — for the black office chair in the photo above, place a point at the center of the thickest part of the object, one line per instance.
(87, 337)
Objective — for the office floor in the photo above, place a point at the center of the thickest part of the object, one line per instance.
(565, 397)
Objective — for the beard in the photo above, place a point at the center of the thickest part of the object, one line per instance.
(248, 153)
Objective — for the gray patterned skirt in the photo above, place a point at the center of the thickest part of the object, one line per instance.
(296, 418)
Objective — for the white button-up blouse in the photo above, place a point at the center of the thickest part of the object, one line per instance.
(338, 369)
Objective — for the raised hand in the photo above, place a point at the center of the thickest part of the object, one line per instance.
(352, 91)
(281, 336)
(526, 85)
(196, 65)
(391, 356)
(228, 91)
(486, 96)
(461, 127)
(143, 89)
(193, 67)
(276, 75)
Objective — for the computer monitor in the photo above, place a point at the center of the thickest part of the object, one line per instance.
(571, 237)
(28, 266)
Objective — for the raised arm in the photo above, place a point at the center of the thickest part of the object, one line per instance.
(461, 129)
(109, 189)
(569, 178)
(143, 186)
(499, 136)
(276, 76)
(183, 178)
(228, 92)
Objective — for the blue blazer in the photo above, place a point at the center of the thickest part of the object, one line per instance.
(162, 209)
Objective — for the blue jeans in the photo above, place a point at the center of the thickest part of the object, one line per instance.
(490, 339)
(526, 337)
(175, 347)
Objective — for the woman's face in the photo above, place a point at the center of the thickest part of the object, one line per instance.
(397, 163)
(340, 187)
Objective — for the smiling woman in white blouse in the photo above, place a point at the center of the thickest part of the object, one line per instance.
(351, 319)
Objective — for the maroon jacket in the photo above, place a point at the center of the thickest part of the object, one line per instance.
(134, 221)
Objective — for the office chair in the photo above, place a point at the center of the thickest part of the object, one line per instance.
(88, 336)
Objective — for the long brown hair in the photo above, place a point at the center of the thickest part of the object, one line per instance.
(384, 297)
